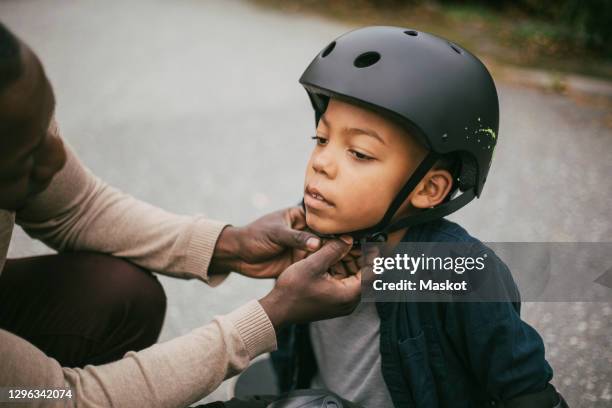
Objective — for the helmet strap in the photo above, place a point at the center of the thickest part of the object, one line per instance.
(414, 179)
(432, 214)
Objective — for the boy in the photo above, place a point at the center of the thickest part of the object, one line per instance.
(405, 122)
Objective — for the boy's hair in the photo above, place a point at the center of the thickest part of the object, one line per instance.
(10, 61)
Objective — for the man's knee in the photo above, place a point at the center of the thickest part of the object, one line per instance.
(133, 282)
(80, 307)
(131, 304)
(134, 293)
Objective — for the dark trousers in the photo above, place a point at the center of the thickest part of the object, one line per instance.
(81, 308)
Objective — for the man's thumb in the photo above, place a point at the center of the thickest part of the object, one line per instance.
(329, 254)
(352, 287)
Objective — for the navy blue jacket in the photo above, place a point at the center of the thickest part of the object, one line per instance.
(445, 354)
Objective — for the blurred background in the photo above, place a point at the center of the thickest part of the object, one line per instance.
(194, 106)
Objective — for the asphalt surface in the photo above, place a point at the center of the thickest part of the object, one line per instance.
(195, 106)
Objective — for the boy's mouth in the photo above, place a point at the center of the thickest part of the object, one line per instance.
(313, 198)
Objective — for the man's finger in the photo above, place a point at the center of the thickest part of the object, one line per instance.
(298, 255)
(367, 275)
(351, 291)
(367, 256)
(292, 235)
(296, 218)
(350, 264)
(339, 270)
(297, 239)
(330, 253)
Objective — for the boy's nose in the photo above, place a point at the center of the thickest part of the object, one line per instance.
(323, 163)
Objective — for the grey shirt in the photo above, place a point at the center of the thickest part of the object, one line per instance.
(347, 350)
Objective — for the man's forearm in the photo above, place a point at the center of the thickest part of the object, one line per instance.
(80, 212)
(171, 374)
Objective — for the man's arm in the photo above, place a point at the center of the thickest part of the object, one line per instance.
(171, 374)
(78, 211)
(181, 371)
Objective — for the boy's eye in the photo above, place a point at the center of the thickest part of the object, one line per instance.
(321, 141)
(360, 156)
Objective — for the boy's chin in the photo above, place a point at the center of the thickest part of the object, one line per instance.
(321, 225)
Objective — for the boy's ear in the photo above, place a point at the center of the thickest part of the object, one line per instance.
(432, 190)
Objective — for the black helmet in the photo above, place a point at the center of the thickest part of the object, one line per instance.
(440, 92)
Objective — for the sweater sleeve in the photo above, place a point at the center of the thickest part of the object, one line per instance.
(78, 211)
(171, 374)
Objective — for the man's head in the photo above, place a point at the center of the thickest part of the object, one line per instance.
(31, 153)
(359, 163)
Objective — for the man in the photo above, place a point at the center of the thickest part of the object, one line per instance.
(81, 307)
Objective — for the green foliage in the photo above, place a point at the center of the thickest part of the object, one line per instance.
(590, 20)
(583, 22)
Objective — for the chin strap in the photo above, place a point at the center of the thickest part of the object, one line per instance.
(379, 232)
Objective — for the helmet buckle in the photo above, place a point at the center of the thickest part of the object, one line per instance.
(379, 237)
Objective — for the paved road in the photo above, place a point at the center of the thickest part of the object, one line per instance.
(194, 106)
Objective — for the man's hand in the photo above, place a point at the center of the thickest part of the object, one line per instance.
(266, 247)
(307, 292)
(349, 265)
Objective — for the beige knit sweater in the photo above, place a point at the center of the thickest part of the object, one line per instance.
(80, 212)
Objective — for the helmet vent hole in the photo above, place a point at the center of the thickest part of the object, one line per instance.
(411, 33)
(455, 48)
(328, 49)
(367, 59)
